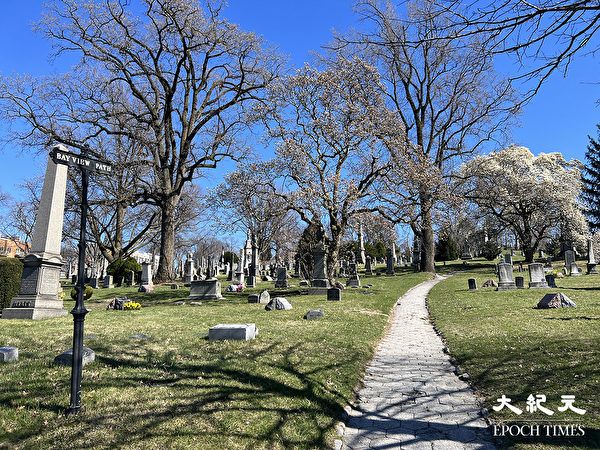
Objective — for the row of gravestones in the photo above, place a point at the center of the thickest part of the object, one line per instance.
(537, 276)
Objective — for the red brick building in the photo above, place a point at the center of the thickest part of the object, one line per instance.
(13, 248)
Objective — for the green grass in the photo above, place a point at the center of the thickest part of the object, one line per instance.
(509, 347)
(285, 389)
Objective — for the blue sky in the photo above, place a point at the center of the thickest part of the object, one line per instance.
(558, 119)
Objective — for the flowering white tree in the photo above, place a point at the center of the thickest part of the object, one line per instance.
(328, 126)
(533, 196)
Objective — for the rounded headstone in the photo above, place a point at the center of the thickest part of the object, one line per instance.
(66, 358)
(520, 282)
(314, 314)
(472, 284)
(9, 354)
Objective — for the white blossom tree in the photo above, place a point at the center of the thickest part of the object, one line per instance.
(533, 196)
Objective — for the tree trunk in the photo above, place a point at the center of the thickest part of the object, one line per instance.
(333, 255)
(427, 237)
(527, 242)
(166, 268)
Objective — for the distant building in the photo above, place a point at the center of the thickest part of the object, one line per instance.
(145, 257)
(13, 248)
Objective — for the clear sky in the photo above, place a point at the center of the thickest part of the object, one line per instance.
(559, 119)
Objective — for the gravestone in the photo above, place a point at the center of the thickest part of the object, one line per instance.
(296, 268)
(520, 282)
(368, 267)
(9, 354)
(130, 278)
(146, 279)
(361, 245)
(389, 263)
(263, 297)
(93, 282)
(278, 303)
(205, 290)
(537, 277)
(472, 284)
(281, 281)
(540, 253)
(559, 300)
(38, 292)
(66, 358)
(569, 258)
(591, 264)
(489, 283)
(230, 270)
(505, 277)
(239, 272)
(232, 331)
(334, 294)
(319, 282)
(189, 270)
(353, 280)
(551, 280)
(108, 282)
(548, 264)
(120, 281)
(314, 314)
(253, 268)
(73, 279)
(575, 270)
(508, 259)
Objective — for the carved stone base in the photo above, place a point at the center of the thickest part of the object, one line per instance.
(38, 293)
(33, 313)
(506, 286)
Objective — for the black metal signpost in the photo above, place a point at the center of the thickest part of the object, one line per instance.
(85, 165)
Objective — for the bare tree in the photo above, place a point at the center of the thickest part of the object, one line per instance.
(20, 218)
(327, 126)
(176, 77)
(447, 97)
(243, 202)
(544, 35)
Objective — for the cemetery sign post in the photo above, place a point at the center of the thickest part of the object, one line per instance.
(85, 165)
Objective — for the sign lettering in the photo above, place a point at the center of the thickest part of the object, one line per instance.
(80, 162)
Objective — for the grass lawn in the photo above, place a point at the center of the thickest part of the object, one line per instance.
(176, 389)
(509, 347)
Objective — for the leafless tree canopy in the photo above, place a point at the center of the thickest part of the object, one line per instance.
(171, 75)
(545, 35)
(444, 89)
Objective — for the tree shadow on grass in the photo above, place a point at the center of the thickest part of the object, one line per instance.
(548, 367)
(207, 393)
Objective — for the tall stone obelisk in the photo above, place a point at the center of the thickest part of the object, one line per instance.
(38, 294)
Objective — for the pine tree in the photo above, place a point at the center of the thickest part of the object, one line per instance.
(591, 182)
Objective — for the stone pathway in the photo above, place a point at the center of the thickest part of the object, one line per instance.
(411, 397)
